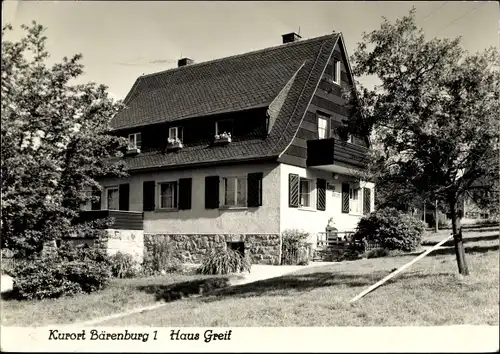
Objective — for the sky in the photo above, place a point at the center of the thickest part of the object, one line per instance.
(121, 40)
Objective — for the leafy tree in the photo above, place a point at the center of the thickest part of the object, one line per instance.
(54, 141)
(435, 113)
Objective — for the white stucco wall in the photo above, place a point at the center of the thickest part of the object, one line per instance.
(198, 220)
(313, 220)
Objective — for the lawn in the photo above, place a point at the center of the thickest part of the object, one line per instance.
(428, 293)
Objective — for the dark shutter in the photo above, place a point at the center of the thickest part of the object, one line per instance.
(96, 205)
(321, 189)
(293, 190)
(148, 195)
(211, 192)
(123, 196)
(367, 200)
(345, 197)
(180, 133)
(254, 187)
(185, 188)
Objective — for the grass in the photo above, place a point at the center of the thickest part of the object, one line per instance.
(121, 295)
(429, 293)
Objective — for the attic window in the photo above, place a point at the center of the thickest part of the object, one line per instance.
(224, 126)
(336, 71)
(173, 133)
(134, 141)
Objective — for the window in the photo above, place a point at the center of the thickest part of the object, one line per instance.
(336, 71)
(134, 141)
(173, 133)
(305, 193)
(168, 195)
(349, 139)
(112, 198)
(323, 129)
(224, 126)
(354, 201)
(234, 191)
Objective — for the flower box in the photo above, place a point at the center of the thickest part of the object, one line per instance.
(224, 138)
(174, 144)
(133, 151)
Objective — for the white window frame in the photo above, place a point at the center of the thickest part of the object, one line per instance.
(355, 204)
(326, 129)
(134, 145)
(106, 191)
(174, 198)
(336, 71)
(173, 129)
(349, 139)
(217, 132)
(237, 186)
(310, 193)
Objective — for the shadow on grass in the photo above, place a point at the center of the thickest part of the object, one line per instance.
(177, 291)
(466, 240)
(468, 250)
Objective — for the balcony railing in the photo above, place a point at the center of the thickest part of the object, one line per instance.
(121, 219)
(333, 151)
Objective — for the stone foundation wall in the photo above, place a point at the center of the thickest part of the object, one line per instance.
(192, 248)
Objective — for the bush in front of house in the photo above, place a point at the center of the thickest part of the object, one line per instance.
(294, 247)
(159, 259)
(123, 265)
(225, 261)
(377, 253)
(67, 272)
(391, 229)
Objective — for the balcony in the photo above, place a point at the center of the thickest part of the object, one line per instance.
(336, 156)
(122, 220)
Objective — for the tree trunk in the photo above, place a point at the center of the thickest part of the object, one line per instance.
(457, 238)
(436, 226)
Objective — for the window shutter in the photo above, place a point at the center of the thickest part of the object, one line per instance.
(211, 192)
(123, 196)
(138, 140)
(185, 192)
(293, 190)
(321, 189)
(96, 205)
(345, 198)
(254, 189)
(148, 195)
(367, 200)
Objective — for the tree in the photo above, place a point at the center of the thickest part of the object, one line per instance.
(435, 113)
(54, 141)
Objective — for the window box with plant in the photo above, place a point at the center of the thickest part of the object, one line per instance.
(224, 138)
(174, 144)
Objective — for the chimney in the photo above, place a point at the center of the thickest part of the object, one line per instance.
(184, 62)
(291, 37)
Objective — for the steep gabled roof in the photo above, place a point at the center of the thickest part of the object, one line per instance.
(229, 84)
(283, 78)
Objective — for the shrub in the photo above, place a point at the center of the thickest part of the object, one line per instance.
(391, 229)
(224, 262)
(70, 271)
(377, 253)
(294, 247)
(123, 265)
(159, 258)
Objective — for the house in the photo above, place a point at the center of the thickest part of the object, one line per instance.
(233, 151)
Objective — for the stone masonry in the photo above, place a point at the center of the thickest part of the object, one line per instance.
(192, 248)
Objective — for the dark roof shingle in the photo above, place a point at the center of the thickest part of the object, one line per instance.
(230, 84)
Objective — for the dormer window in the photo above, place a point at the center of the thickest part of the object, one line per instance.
(336, 71)
(134, 141)
(174, 133)
(224, 126)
